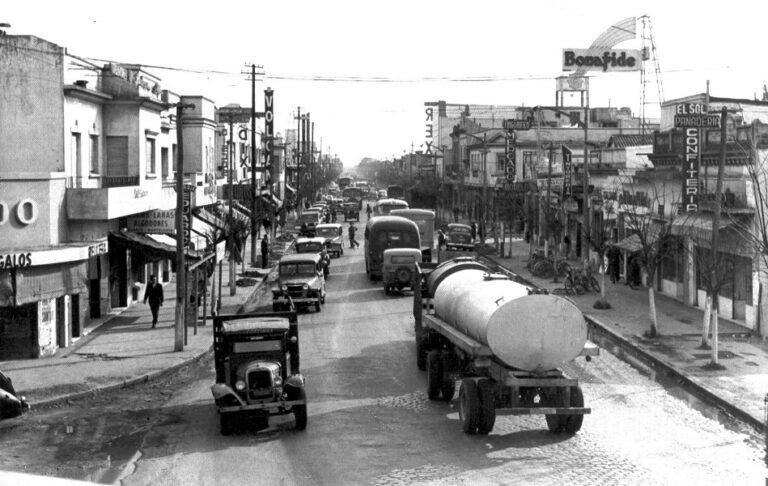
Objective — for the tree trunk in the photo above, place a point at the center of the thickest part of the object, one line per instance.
(715, 329)
(705, 322)
(654, 322)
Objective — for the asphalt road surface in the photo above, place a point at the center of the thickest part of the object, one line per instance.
(370, 422)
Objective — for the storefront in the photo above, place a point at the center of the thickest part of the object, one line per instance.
(46, 296)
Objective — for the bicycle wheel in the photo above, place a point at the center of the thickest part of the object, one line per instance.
(563, 268)
(568, 284)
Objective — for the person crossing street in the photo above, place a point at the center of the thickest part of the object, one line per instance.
(352, 230)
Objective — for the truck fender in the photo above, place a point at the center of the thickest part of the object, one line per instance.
(220, 391)
(296, 381)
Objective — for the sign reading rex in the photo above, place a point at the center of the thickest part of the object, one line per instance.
(615, 60)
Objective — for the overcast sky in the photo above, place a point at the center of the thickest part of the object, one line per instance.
(403, 42)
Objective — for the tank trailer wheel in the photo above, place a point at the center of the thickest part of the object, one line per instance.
(421, 355)
(434, 374)
(226, 423)
(448, 384)
(317, 305)
(572, 423)
(487, 417)
(469, 406)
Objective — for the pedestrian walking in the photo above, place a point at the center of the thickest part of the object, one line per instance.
(567, 244)
(352, 230)
(333, 215)
(440, 239)
(368, 210)
(154, 294)
(264, 251)
(455, 214)
(614, 261)
(480, 233)
(473, 230)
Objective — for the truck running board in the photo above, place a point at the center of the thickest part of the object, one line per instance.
(544, 411)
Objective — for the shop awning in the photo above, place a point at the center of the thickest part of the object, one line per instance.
(242, 209)
(633, 243)
(697, 226)
(209, 217)
(149, 248)
(236, 214)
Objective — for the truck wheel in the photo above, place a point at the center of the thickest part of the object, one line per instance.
(275, 307)
(300, 411)
(448, 384)
(317, 305)
(469, 406)
(434, 374)
(572, 423)
(487, 417)
(225, 422)
(421, 355)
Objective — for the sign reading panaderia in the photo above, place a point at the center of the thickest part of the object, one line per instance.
(694, 115)
(613, 60)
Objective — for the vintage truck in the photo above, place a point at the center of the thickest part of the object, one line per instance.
(503, 341)
(256, 358)
(300, 282)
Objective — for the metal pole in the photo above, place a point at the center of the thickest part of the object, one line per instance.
(180, 274)
(298, 163)
(587, 197)
(254, 222)
(197, 297)
(232, 286)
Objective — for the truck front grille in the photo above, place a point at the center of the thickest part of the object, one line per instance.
(259, 384)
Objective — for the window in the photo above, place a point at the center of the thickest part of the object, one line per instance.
(164, 161)
(77, 158)
(175, 154)
(150, 153)
(661, 209)
(500, 159)
(117, 156)
(94, 165)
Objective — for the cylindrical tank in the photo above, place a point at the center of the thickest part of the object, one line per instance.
(527, 332)
(450, 267)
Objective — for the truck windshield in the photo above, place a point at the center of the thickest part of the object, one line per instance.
(327, 232)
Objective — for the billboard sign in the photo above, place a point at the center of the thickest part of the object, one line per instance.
(156, 222)
(605, 60)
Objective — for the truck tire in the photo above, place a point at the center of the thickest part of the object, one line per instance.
(448, 383)
(434, 374)
(469, 406)
(421, 355)
(487, 418)
(317, 305)
(572, 423)
(300, 411)
(275, 307)
(226, 423)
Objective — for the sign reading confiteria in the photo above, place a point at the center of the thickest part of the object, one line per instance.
(158, 222)
(689, 116)
(613, 60)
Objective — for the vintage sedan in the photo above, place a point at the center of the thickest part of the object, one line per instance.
(300, 282)
(333, 234)
(459, 237)
(316, 245)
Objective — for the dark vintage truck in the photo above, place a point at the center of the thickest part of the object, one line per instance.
(256, 357)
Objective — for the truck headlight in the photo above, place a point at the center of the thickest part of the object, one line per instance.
(239, 385)
(306, 286)
(284, 288)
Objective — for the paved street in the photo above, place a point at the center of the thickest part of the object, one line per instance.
(370, 421)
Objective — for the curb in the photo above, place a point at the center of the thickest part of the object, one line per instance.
(634, 355)
(145, 378)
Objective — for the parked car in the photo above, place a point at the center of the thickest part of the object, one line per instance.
(316, 244)
(398, 268)
(256, 357)
(300, 282)
(459, 237)
(334, 235)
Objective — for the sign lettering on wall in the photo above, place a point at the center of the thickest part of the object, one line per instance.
(186, 219)
(567, 170)
(691, 171)
(158, 221)
(269, 127)
(428, 128)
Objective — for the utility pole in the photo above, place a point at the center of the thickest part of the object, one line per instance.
(254, 115)
(312, 160)
(181, 235)
(714, 284)
(298, 162)
(587, 196)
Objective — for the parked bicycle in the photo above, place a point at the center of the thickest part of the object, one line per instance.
(571, 281)
(587, 279)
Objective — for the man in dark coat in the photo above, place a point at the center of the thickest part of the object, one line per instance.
(352, 230)
(154, 294)
(264, 251)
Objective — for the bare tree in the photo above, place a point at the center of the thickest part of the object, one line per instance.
(645, 206)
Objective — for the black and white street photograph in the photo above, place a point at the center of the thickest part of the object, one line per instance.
(383, 243)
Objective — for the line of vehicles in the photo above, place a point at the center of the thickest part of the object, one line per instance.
(500, 339)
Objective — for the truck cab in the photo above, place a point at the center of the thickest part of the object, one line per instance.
(256, 357)
(333, 234)
(300, 282)
(317, 245)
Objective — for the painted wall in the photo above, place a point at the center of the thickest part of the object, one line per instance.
(40, 203)
(31, 107)
(83, 118)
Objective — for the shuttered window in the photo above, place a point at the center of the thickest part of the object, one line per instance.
(117, 156)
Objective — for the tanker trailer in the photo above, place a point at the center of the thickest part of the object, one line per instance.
(505, 342)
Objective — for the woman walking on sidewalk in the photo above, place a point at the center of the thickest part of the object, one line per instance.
(154, 294)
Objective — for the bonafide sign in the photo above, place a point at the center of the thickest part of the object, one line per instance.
(614, 60)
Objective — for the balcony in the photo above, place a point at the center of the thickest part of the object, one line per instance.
(124, 197)
(120, 181)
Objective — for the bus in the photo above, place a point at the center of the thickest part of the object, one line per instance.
(343, 182)
(395, 192)
(353, 194)
(384, 206)
(425, 220)
(386, 232)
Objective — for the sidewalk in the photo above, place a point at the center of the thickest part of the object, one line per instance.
(122, 348)
(740, 389)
